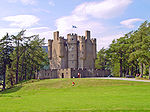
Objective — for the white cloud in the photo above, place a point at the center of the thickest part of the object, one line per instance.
(11, 31)
(105, 41)
(85, 16)
(51, 3)
(29, 2)
(80, 15)
(25, 2)
(22, 21)
(102, 9)
(129, 23)
(44, 32)
(64, 25)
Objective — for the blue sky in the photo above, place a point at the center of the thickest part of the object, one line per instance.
(106, 19)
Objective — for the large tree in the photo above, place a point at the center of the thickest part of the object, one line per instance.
(6, 49)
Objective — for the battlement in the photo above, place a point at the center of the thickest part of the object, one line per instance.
(81, 38)
(50, 41)
(93, 40)
(60, 39)
(71, 34)
(72, 38)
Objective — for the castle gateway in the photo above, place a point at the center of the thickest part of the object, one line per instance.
(71, 56)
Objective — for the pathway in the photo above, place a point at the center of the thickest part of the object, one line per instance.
(116, 78)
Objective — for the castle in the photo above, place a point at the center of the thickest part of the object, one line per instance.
(71, 56)
(73, 52)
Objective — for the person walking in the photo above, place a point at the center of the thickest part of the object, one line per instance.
(73, 83)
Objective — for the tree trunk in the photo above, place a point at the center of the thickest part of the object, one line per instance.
(25, 72)
(31, 72)
(141, 68)
(34, 72)
(17, 64)
(149, 71)
(120, 67)
(4, 76)
(137, 69)
(22, 67)
(132, 71)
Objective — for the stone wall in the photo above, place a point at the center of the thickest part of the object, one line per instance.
(47, 74)
(71, 72)
(89, 73)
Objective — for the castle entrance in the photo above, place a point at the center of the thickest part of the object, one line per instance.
(62, 75)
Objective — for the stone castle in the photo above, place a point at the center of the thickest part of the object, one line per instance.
(73, 52)
(72, 56)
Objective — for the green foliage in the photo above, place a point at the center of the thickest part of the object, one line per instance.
(116, 70)
(6, 49)
(21, 57)
(100, 62)
(129, 52)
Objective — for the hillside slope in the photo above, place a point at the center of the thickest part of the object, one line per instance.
(87, 95)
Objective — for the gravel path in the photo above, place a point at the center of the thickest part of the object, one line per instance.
(116, 78)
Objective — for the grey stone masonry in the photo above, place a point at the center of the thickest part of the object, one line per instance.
(72, 56)
(73, 52)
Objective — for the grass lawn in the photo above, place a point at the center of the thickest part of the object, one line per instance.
(89, 95)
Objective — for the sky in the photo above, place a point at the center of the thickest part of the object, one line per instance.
(106, 19)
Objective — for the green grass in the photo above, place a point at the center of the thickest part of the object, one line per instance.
(89, 95)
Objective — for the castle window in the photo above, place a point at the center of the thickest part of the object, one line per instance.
(72, 55)
(72, 61)
(82, 45)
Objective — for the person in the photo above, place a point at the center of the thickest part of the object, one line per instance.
(73, 83)
(78, 75)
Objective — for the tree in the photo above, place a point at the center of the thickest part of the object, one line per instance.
(100, 62)
(6, 49)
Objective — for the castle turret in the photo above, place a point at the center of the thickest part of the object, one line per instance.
(61, 47)
(82, 47)
(94, 48)
(50, 49)
(72, 51)
(87, 34)
(56, 35)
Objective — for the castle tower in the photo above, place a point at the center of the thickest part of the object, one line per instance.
(87, 34)
(61, 47)
(56, 35)
(72, 51)
(57, 52)
(50, 49)
(94, 48)
(81, 52)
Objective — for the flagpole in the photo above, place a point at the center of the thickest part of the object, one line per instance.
(73, 27)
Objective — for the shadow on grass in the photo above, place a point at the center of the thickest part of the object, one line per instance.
(11, 90)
